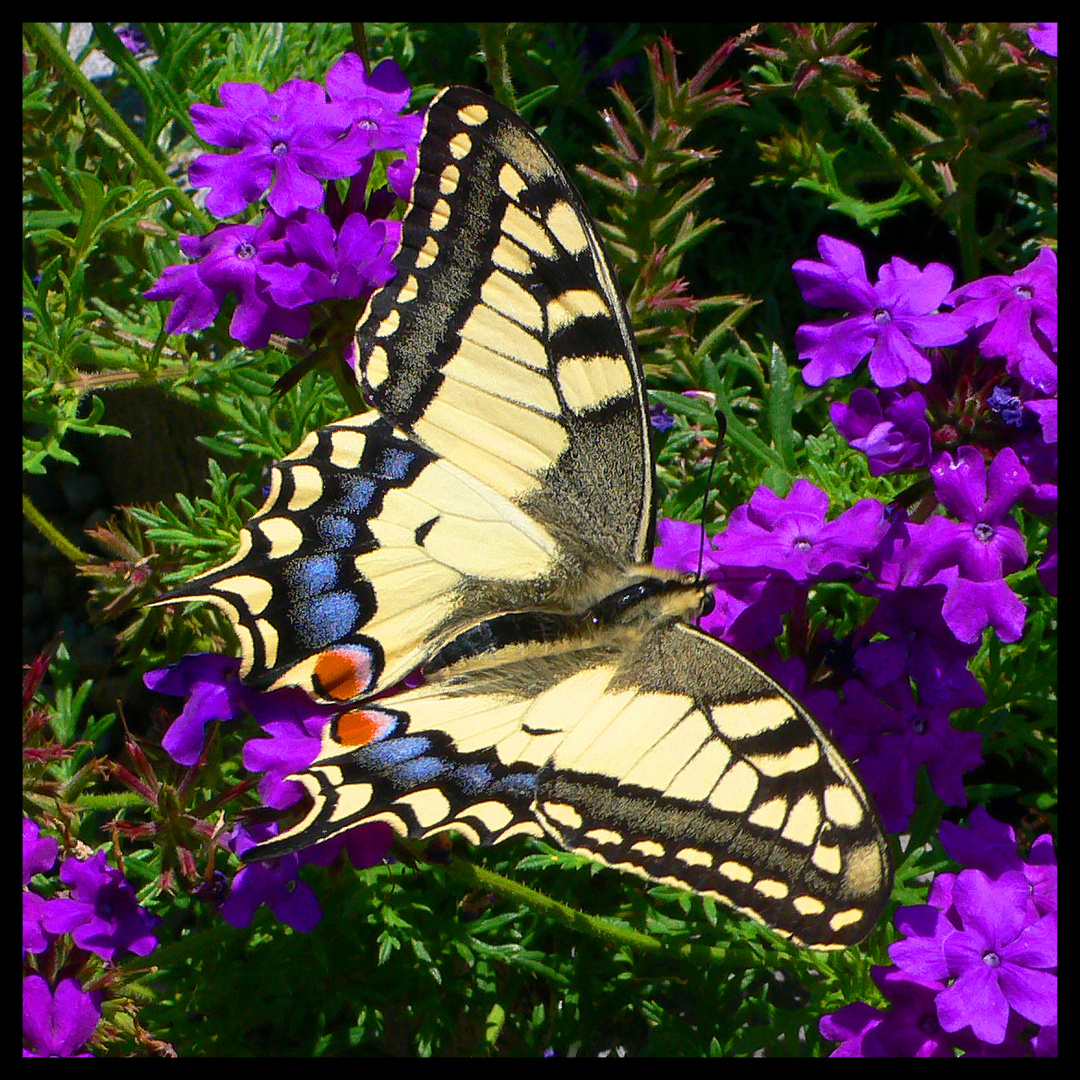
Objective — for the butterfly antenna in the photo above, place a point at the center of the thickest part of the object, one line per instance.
(721, 431)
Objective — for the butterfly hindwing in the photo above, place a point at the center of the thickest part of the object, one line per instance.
(695, 769)
(701, 773)
(379, 763)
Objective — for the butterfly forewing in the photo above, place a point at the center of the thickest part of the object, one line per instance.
(502, 343)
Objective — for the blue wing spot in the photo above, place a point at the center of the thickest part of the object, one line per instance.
(312, 574)
(395, 751)
(522, 785)
(355, 495)
(325, 620)
(336, 531)
(394, 463)
(419, 771)
(472, 779)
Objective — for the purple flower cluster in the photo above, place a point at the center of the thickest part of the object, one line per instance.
(976, 967)
(310, 247)
(978, 424)
(982, 420)
(294, 725)
(966, 403)
(100, 915)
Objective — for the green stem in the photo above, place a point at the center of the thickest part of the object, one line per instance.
(46, 40)
(52, 533)
(115, 801)
(478, 877)
(854, 112)
(493, 42)
(359, 38)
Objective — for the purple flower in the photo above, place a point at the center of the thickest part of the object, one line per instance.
(34, 936)
(1042, 875)
(38, 857)
(1041, 462)
(1045, 1042)
(232, 259)
(997, 958)
(971, 606)
(909, 1028)
(275, 882)
(288, 142)
(972, 555)
(660, 418)
(1046, 415)
(366, 845)
(919, 644)
(325, 264)
(748, 603)
(891, 321)
(133, 38)
(791, 535)
(890, 428)
(375, 101)
(295, 724)
(1043, 36)
(1020, 313)
(891, 737)
(195, 306)
(101, 914)
(748, 608)
(985, 845)
(990, 846)
(57, 1024)
(678, 545)
(1005, 405)
(38, 852)
(214, 692)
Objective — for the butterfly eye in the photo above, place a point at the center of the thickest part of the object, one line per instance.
(708, 604)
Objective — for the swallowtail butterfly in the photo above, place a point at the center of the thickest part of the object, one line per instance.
(491, 522)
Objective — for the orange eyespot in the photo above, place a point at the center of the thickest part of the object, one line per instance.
(342, 674)
(361, 726)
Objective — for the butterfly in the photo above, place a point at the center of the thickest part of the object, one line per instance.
(490, 523)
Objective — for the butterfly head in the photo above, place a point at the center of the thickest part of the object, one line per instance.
(651, 593)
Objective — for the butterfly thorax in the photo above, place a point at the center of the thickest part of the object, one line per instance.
(645, 596)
